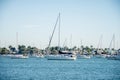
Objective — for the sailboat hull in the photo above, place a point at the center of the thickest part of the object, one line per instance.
(60, 57)
(19, 57)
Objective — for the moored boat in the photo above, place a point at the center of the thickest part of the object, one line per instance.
(62, 56)
(114, 57)
(19, 57)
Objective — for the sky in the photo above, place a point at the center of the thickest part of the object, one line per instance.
(82, 22)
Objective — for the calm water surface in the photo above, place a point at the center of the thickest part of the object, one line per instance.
(42, 69)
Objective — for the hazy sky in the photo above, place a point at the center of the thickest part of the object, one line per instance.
(82, 22)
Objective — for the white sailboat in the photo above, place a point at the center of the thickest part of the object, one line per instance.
(84, 55)
(18, 56)
(99, 51)
(113, 53)
(62, 55)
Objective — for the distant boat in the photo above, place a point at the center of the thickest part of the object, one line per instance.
(61, 55)
(36, 55)
(113, 54)
(114, 57)
(83, 56)
(19, 57)
(39, 56)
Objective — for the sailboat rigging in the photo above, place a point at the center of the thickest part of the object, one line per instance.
(61, 55)
(54, 32)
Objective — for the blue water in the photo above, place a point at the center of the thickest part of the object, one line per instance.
(42, 69)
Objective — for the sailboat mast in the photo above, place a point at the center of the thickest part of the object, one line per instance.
(53, 32)
(17, 41)
(59, 32)
(71, 41)
(100, 42)
(112, 42)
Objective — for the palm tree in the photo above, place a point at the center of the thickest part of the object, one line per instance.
(87, 49)
(74, 48)
(65, 48)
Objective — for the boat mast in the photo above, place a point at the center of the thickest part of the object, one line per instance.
(0, 44)
(59, 33)
(53, 31)
(71, 41)
(112, 42)
(100, 42)
(17, 42)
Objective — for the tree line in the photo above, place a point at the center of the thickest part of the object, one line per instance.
(22, 49)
